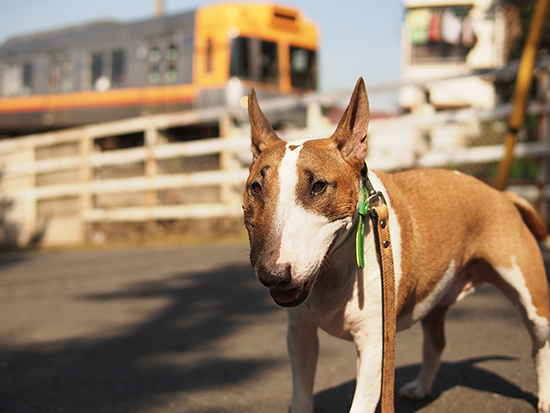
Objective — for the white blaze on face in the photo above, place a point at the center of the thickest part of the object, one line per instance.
(305, 236)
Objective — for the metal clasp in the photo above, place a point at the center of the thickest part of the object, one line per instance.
(376, 199)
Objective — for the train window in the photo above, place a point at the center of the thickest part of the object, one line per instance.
(171, 57)
(28, 74)
(209, 51)
(303, 68)
(154, 58)
(269, 63)
(118, 63)
(54, 75)
(60, 73)
(67, 67)
(16, 80)
(240, 65)
(97, 68)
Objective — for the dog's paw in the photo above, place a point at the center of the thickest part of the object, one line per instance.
(413, 390)
(306, 407)
(544, 400)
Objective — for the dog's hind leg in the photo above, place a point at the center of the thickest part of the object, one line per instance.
(434, 342)
(530, 297)
(542, 365)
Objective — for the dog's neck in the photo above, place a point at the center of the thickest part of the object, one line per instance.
(366, 191)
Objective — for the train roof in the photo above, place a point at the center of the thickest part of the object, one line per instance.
(86, 29)
(75, 35)
(64, 31)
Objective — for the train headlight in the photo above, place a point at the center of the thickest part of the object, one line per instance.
(234, 93)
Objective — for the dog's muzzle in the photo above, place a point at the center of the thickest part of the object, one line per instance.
(279, 281)
(292, 297)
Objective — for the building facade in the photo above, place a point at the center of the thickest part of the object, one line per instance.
(447, 40)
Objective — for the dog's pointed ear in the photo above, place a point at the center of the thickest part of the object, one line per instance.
(262, 133)
(351, 134)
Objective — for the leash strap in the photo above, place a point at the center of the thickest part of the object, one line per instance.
(372, 202)
(380, 219)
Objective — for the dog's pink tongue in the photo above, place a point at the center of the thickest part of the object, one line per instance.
(285, 296)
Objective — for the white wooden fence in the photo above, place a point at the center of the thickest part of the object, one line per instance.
(70, 181)
(50, 186)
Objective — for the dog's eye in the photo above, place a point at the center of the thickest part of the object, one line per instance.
(318, 188)
(256, 188)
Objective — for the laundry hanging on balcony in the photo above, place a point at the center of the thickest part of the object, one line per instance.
(418, 21)
(451, 25)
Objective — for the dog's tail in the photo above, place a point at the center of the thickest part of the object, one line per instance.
(531, 218)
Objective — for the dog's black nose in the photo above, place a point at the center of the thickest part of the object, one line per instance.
(278, 276)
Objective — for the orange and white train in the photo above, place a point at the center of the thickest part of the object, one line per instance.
(107, 70)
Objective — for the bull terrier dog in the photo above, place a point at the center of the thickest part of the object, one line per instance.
(449, 231)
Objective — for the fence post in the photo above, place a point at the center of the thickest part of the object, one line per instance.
(225, 158)
(229, 196)
(28, 231)
(314, 116)
(151, 170)
(543, 135)
(86, 175)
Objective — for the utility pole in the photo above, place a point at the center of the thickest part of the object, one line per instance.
(159, 8)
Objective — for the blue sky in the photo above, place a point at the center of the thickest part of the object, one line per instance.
(359, 38)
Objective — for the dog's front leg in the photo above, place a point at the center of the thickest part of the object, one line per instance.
(369, 371)
(303, 348)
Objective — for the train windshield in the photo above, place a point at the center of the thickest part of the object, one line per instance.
(303, 68)
(257, 60)
(254, 59)
(240, 65)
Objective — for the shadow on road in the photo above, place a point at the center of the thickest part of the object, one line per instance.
(185, 347)
(132, 370)
(451, 374)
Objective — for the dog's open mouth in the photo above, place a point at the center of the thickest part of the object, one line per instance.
(292, 297)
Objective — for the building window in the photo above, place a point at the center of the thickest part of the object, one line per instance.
(303, 68)
(440, 34)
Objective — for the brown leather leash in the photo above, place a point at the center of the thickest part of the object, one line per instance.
(374, 203)
(380, 218)
(379, 213)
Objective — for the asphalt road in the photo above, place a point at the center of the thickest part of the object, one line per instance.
(189, 330)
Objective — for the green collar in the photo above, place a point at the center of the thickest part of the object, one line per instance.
(362, 209)
(367, 198)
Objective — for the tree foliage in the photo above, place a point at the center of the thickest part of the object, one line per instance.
(519, 13)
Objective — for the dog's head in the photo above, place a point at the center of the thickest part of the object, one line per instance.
(300, 197)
